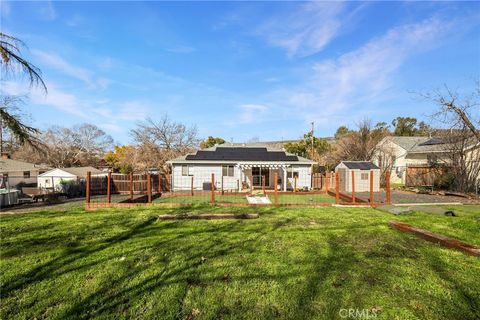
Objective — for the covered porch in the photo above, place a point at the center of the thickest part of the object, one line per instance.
(255, 175)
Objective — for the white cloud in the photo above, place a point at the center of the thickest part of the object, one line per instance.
(75, 21)
(5, 9)
(133, 111)
(58, 63)
(356, 80)
(46, 10)
(55, 97)
(306, 30)
(251, 112)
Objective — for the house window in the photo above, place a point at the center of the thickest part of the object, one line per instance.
(26, 174)
(47, 181)
(5, 177)
(364, 176)
(187, 170)
(227, 171)
(291, 173)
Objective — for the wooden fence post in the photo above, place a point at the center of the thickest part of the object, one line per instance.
(327, 181)
(337, 188)
(275, 189)
(263, 185)
(353, 187)
(191, 187)
(109, 187)
(131, 186)
(222, 186)
(371, 187)
(213, 189)
(87, 191)
(238, 185)
(389, 195)
(149, 187)
(295, 184)
(159, 184)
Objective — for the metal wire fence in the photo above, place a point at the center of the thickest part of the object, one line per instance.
(125, 190)
(120, 190)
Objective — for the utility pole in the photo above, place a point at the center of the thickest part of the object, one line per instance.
(312, 138)
(1, 136)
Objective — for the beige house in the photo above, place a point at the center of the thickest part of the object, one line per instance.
(361, 176)
(411, 156)
(13, 172)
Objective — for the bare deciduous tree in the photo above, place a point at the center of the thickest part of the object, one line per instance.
(160, 141)
(460, 142)
(359, 145)
(81, 145)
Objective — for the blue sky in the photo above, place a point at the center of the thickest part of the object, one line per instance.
(242, 69)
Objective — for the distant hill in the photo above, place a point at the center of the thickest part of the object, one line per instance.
(278, 144)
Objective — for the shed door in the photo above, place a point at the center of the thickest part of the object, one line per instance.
(342, 175)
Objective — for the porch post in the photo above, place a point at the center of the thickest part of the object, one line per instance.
(284, 178)
(239, 181)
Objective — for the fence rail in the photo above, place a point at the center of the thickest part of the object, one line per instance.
(121, 190)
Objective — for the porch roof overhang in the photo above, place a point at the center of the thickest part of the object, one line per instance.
(249, 165)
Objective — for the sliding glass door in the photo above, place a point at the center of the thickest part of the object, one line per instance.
(257, 174)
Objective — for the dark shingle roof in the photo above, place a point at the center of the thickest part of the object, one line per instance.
(241, 154)
(362, 165)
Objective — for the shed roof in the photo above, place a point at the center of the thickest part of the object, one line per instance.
(361, 165)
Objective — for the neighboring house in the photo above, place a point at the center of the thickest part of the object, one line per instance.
(396, 152)
(53, 178)
(13, 172)
(361, 170)
(240, 167)
(412, 157)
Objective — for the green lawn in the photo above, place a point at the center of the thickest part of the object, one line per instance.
(303, 198)
(291, 263)
(202, 199)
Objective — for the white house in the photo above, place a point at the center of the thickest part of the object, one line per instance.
(54, 177)
(13, 172)
(241, 167)
(361, 171)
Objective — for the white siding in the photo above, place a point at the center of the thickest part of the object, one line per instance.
(304, 177)
(203, 173)
(398, 172)
(53, 178)
(360, 185)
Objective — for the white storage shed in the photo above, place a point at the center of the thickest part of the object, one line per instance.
(361, 171)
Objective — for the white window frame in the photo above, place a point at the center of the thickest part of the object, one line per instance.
(291, 173)
(187, 170)
(228, 171)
